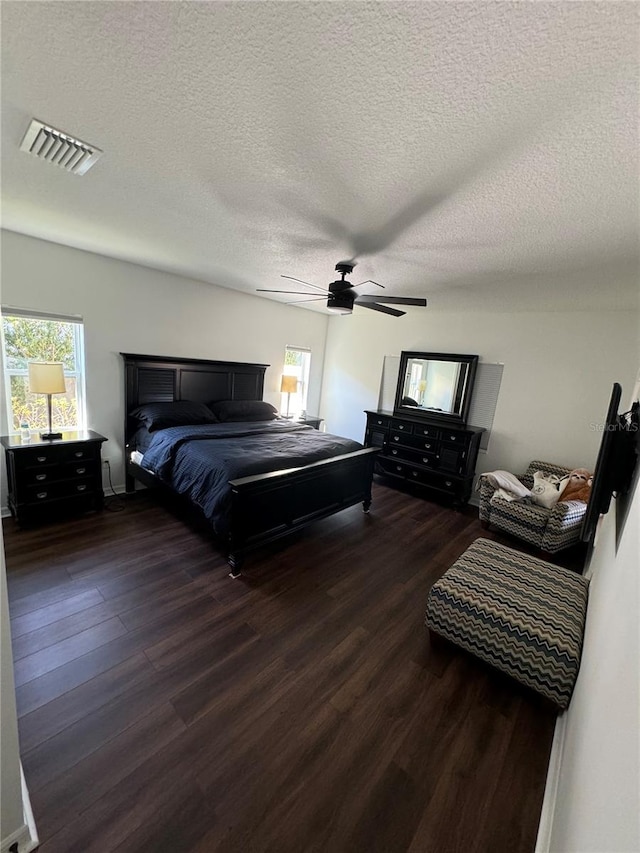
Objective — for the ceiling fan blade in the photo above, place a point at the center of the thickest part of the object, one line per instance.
(382, 308)
(313, 299)
(392, 300)
(369, 281)
(294, 292)
(308, 283)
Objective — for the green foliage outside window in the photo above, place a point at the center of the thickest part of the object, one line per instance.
(292, 358)
(27, 339)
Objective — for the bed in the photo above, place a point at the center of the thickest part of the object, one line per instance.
(268, 479)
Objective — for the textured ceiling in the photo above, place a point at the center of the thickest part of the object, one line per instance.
(477, 153)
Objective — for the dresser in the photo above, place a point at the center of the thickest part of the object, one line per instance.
(46, 479)
(437, 457)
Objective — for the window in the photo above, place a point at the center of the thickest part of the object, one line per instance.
(29, 336)
(297, 362)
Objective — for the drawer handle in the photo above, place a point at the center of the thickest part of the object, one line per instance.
(448, 483)
(426, 460)
(394, 452)
(81, 488)
(41, 458)
(80, 470)
(379, 423)
(427, 447)
(398, 467)
(41, 476)
(452, 438)
(415, 473)
(400, 426)
(41, 495)
(396, 438)
(79, 454)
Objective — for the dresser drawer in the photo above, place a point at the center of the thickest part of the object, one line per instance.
(414, 457)
(443, 483)
(374, 421)
(392, 467)
(457, 438)
(416, 442)
(401, 426)
(426, 431)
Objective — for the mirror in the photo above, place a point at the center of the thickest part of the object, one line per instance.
(435, 386)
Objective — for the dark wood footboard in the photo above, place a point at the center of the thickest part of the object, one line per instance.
(268, 506)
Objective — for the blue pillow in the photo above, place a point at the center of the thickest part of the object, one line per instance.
(179, 413)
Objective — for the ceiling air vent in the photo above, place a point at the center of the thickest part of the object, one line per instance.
(59, 148)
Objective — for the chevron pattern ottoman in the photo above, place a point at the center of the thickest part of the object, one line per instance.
(523, 616)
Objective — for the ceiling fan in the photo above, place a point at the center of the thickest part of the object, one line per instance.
(341, 295)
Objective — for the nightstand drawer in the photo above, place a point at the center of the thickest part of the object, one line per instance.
(41, 474)
(39, 456)
(61, 489)
(88, 468)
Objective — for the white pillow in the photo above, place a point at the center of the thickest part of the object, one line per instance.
(547, 489)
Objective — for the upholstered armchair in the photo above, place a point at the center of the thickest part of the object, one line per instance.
(551, 530)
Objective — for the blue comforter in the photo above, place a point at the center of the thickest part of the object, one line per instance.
(199, 461)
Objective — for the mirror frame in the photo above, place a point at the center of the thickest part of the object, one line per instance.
(449, 417)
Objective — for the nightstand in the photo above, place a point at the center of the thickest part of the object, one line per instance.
(50, 478)
(310, 420)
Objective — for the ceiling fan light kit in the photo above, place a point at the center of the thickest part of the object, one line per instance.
(341, 295)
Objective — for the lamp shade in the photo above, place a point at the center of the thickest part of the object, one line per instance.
(288, 384)
(46, 377)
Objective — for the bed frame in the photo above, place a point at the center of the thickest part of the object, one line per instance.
(263, 507)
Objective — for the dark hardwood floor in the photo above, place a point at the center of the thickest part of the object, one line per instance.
(165, 707)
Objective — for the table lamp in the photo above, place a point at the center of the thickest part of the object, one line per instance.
(288, 386)
(47, 377)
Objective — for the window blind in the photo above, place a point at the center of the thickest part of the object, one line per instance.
(10, 311)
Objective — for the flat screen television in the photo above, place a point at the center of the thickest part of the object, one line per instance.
(616, 461)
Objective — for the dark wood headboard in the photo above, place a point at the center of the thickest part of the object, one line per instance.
(157, 378)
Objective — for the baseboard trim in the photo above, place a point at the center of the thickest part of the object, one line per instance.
(547, 815)
(26, 837)
(119, 490)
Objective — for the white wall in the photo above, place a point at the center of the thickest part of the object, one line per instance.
(10, 799)
(129, 308)
(559, 369)
(593, 790)
(16, 817)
